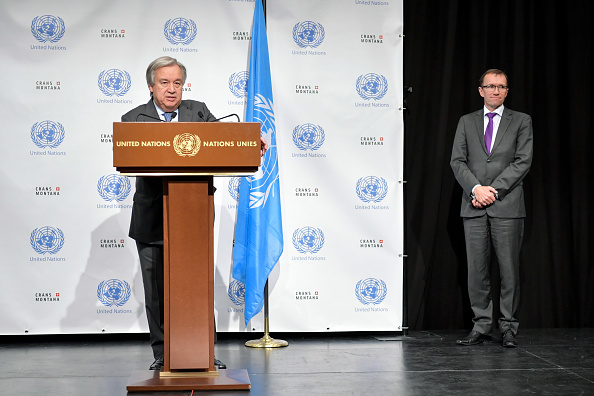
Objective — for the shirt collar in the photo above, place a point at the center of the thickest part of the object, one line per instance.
(498, 111)
(160, 111)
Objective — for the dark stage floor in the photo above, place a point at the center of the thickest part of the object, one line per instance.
(548, 362)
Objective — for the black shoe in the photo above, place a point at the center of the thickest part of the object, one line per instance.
(220, 365)
(509, 339)
(473, 338)
(157, 364)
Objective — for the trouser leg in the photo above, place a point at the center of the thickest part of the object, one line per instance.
(151, 265)
(478, 254)
(507, 235)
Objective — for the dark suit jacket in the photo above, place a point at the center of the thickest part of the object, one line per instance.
(146, 224)
(504, 169)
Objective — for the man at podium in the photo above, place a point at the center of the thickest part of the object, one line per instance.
(165, 77)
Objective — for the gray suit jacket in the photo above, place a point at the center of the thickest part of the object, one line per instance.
(146, 224)
(504, 169)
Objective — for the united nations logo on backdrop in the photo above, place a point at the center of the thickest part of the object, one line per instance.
(372, 189)
(308, 34)
(47, 134)
(238, 84)
(186, 144)
(236, 293)
(372, 86)
(308, 137)
(47, 240)
(233, 187)
(180, 31)
(48, 28)
(114, 187)
(371, 291)
(114, 82)
(308, 239)
(113, 292)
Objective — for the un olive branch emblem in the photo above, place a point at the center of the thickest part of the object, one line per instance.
(186, 144)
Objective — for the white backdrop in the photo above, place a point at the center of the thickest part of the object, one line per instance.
(73, 68)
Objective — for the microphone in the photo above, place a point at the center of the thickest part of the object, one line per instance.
(201, 115)
(227, 116)
(173, 115)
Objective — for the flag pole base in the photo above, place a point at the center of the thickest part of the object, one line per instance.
(266, 342)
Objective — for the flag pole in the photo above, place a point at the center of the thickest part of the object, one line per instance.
(258, 233)
(266, 341)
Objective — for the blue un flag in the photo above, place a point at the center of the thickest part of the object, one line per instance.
(259, 231)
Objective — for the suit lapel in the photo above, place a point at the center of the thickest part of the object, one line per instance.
(185, 114)
(150, 110)
(480, 128)
(503, 125)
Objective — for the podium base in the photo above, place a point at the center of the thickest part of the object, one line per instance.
(152, 381)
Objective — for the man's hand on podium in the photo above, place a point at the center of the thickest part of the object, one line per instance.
(263, 145)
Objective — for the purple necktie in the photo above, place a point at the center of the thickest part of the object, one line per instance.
(489, 132)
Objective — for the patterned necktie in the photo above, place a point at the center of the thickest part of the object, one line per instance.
(489, 132)
(167, 116)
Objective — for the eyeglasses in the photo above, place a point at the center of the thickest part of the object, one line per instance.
(491, 88)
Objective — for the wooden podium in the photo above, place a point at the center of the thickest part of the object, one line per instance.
(187, 155)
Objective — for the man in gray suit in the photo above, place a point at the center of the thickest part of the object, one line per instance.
(165, 77)
(491, 155)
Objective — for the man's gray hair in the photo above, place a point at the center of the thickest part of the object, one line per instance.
(159, 63)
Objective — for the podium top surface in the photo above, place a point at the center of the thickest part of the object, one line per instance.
(186, 148)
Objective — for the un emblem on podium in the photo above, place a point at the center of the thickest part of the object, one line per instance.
(186, 144)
